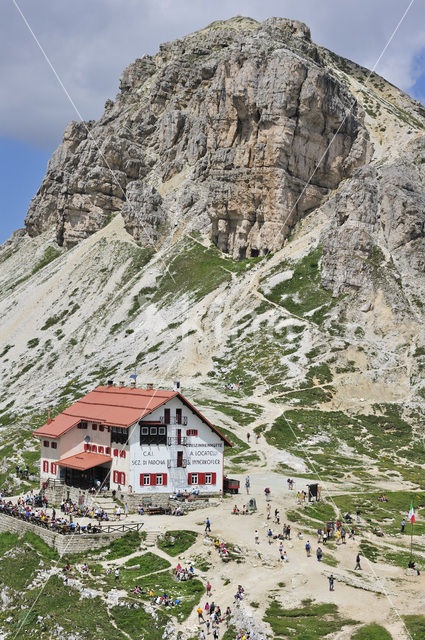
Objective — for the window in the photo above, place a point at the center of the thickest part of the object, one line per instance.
(94, 427)
(191, 432)
(45, 466)
(94, 448)
(119, 477)
(122, 453)
(145, 479)
(193, 478)
(115, 452)
(210, 478)
(167, 416)
(108, 451)
(101, 449)
(158, 480)
(178, 416)
(118, 435)
(53, 468)
(82, 425)
(86, 447)
(46, 443)
(101, 427)
(152, 433)
(54, 445)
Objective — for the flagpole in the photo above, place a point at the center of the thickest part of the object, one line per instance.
(411, 542)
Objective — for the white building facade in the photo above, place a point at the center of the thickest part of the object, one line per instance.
(136, 441)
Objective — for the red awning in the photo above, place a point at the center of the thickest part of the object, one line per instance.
(84, 461)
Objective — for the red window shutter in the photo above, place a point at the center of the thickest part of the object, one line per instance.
(122, 478)
(188, 432)
(101, 449)
(141, 479)
(122, 454)
(115, 452)
(213, 478)
(108, 451)
(201, 478)
(189, 478)
(53, 468)
(45, 466)
(86, 446)
(164, 479)
(94, 448)
(115, 477)
(153, 479)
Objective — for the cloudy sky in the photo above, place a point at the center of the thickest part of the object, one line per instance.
(89, 43)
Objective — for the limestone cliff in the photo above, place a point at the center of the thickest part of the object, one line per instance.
(228, 129)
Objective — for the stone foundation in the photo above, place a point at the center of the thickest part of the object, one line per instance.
(75, 543)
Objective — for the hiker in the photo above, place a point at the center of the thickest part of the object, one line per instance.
(248, 435)
(256, 537)
(208, 624)
(308, 548)
(358, 515)
(202, 635)
(208, 525)
(319, 536)
(403, 525)
(331, 582)
(200, 615)
(257, 437)
(270, 535)
(319, 554)
(247, 484)
(325, 537)
(118, 512)
(268, 508)
(126, 510)
(208, 588)
(357, 563)
(117, 574)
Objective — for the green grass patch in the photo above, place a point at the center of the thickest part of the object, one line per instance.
(176, 542)
(308, 622)
(371, 632)
(416, 626)
(148, 563)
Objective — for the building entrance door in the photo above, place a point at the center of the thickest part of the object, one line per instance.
(179, 458)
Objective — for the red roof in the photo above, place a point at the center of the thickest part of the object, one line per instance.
(114, 406)
(84, 461)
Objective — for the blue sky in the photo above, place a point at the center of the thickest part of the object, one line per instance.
(90, 43)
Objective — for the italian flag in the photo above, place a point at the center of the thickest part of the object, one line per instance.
(412, 513)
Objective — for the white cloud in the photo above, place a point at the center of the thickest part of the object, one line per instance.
(90, 43)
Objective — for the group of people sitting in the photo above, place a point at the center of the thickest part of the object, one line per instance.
(40, 517)
(183, 574)
(83, 511)
(383, 498)
(238, 511)
(221, 548)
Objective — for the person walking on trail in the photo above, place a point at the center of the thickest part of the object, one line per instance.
(247, 484)
(325, 537)
(270, 535)
(403, 525)
(357, 563)
(126, 510)
(308, 548)
(268, 508)
(257, 537)
(117, 574)
(248, 435)
(215, 634)
(200, 615)
(208, 525)
(319, 536)
(331, 583)
(202, 635)
(118, 513)
(208, 624)
(319, 554)
(257, 437)
(208, 588)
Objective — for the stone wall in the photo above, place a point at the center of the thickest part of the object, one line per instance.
(63, 544)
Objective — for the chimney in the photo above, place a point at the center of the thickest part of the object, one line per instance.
(133, 384)
(149, 385)
(48, 417)
(176, 385)
(122, 383)
(110, 383)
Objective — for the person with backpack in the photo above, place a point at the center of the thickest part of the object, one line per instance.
(308, 548)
